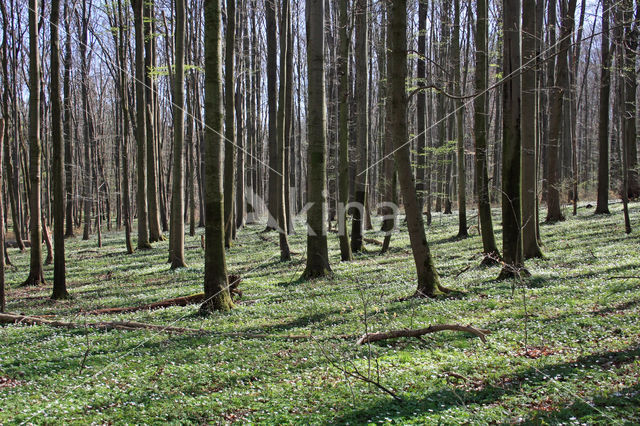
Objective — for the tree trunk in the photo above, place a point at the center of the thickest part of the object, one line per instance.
(630, 87)
(343, 129)
(361, 121)
(428, 280)
(529, 132)
(141, 131)
(229, 124)
(272, 99)
(216, 290)
(176, 250)
(511, 213)
(36, 276)
(59, 284)
(489, 246)
(3, 303)
(285, 252)
(155, 230)
(559, 91)
(66, 124)
(460, 110)
(602, 206)
(317, 252)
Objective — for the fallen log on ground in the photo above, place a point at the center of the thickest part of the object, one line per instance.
(372, 241)
(178, 301)
(376, 337)
(234, 282)
(131, 326)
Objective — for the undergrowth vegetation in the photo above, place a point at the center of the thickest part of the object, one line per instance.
(564, 344)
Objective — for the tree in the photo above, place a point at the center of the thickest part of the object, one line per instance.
(489, 246)
(343, 128)
(153, 213)
(59, 283)
(602, 206)
(361, 121)
(36, 276)
(141, 131)
(88, 133)
(428, 280)
(529, 132)
(462, 180)
(272, 98)
(631, 188)
(511, 189)
(176, 251)
(66, 124)
(558, 98)
(216, 291)
(421, 104)
(3, 303)
(317, 251)
(282, 129)
(229, 124)
(630, 75)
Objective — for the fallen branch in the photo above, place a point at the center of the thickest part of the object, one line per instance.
(375, 337)
(178, 301)
(234, 282)
(131, 325)
(372, 241)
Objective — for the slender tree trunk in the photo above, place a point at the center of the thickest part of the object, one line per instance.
(511, 143)
(272, 99)
(489, 246)
(229, 126)
(343, 128)
(602, 206)
(66, 124)
(529, 132)
(59, 283)
(460, 110)
(428, 280)
(3, 302)
(285, 252)
(153, 210)
(36, 275)
(216, 290)
(176, 252)
(559, 91)
(630, 87)
(421, 102)
(317, 251)
(141, 130)
(361, 121)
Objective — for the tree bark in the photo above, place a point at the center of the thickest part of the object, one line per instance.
(216, 290)
(176, 252)
(343, 129)
(489, 247)
(229, 124)
(141, 130)
(361, 121)
(66, 124)
(529, 132)
(59, 283)
(285, 252)
(602, 206)
(511, 143)
(317, 251)
(428, 280)
(36, 276)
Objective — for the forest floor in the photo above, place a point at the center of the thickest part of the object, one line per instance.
(579, 315)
